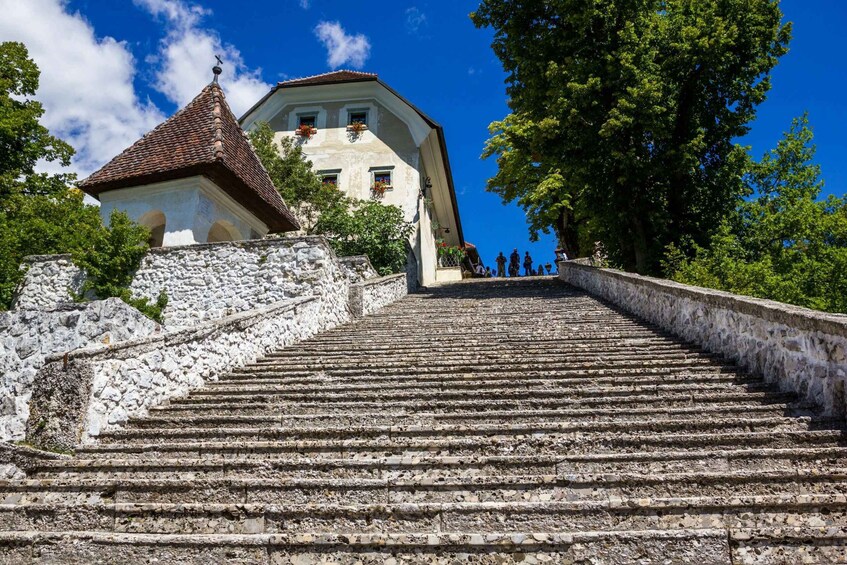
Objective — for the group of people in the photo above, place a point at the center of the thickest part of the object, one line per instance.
(515, 265)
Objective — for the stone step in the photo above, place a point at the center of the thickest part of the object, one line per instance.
(540, 445)
(753, 546)
(462, 357)
(405, 380)
(552, 430)
(817, 510)
(437, 466)
(306, 349)
(455, 384)
(707, 546)
(280, 394)
(512, 367)
(624, 402)
(341, 418)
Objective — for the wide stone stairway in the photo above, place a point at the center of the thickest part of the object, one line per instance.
(487, 421)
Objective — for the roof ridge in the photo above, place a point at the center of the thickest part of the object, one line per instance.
(218, 107)
(337, 71)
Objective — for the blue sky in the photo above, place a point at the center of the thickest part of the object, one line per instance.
(114, 68)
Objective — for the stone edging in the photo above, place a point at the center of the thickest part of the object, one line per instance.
(88, 391)
(771, 310)
(798, 349)
(129, 348)
(368, 296)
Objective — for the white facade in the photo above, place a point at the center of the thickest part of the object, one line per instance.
(398, 144)
(184, 212)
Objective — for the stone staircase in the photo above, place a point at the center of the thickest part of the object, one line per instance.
(487, 421)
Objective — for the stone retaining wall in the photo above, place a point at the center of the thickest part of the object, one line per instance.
(28, 336)
(369, 296)
(207, 281)
(98, 389)
(800, 350)
(358, 268)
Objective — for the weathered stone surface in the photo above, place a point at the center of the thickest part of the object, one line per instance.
(358, 268)
(28, 336)
(369, 296)
(797, 349)
(209, 281)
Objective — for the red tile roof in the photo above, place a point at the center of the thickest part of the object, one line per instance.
(330, 78)
(203, 138)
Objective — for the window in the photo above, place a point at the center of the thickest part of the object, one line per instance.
(310, 120)
(383, 177)
(357, 117)
(330, 181)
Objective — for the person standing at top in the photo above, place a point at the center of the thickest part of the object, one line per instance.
(514, 263)
(501, 265)
(527, 265)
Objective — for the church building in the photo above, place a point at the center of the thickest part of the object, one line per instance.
(193, 179)
(367, 140)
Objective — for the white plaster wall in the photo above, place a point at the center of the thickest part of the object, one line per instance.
(191, 206)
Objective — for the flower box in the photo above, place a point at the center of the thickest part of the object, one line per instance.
(305, 131)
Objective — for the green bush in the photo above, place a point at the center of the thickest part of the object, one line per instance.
(110, 263)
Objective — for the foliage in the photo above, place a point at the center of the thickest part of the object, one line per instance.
(110, 261)
(41, 225)
(623, 115)
(293, 177)
(783, 243)
(352, 227)
(305, 130)
(453, 253)
(23, 140)
(39, 213)
(368, 228)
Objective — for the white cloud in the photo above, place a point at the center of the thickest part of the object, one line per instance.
(415, 20)
(187, 54)
(342, 48)
(305, 4)
(86, 82)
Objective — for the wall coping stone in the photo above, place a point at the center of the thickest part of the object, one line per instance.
(381, 280)
(770, 310)
(129, 348)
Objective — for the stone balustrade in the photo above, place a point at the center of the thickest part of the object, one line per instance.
(800, 350)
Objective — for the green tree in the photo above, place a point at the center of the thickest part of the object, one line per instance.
(624, 112)
(783, 242)
(39, 213)
(111, 260)
(369, 228)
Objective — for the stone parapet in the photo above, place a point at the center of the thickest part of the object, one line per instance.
(369, 296)
(207, 281)
(358, 268)
(28, 336)
(76, 397)
(800, 350)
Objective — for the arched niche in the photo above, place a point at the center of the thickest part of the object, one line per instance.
(223, 231)
(155, 221)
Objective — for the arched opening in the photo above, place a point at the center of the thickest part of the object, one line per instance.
(155, 221)
(223, 231)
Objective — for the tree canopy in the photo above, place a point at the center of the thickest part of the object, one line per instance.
(40, 213)
(782, 242)
(624, 114)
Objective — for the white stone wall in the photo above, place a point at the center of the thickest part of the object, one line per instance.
(47, 282)
(798, 349)
(383, 291)
(124, 380)
(358, 268)
(28, 336)
(210, 281)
